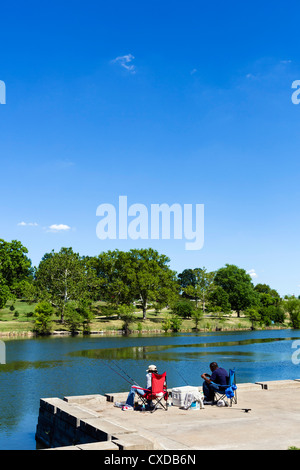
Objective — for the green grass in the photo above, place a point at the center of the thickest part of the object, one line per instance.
(9, 323)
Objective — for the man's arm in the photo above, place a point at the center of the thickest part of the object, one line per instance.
(206, 377)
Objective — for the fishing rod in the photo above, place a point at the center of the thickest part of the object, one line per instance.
(180, 374)
(117, 372)
(182, 377)
(119, 367)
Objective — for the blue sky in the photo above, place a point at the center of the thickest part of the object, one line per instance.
(186, 102)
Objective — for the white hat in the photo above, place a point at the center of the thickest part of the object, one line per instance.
(152, 368)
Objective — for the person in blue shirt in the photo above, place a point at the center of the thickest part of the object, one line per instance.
(219, 376)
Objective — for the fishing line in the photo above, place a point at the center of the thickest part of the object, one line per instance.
(119, 367)
(117, 372)
(180, 375)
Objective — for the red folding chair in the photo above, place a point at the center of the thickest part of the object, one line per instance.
(158, 393)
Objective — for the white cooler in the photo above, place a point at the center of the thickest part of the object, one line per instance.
(179, 393)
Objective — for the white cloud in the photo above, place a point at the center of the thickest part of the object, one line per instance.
(31, 224)
(252, 273)
(124, 61)
(59, 227)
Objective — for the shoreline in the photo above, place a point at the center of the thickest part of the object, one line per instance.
(119, 332)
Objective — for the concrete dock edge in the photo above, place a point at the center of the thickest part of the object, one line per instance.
(92, 422)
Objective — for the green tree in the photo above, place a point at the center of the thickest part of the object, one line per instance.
(219, 300)
(166, 323)
(238, 285)
(30, 291)
(292, 307)
(183, 308)
(72, 318)
(78, 315)
(175, 323)
(15, 266)
(197, 315)
(150, 277)
(201, 286)
(43, 318)
(111, 270)
(4, 292)
(87, 315)
(186, 278)
(158, 306)
(253, 315)
(138, 275)
(267, 296)
(61, 278)
(271, 314)
(269, 305)
(127, 315)
(171, 322)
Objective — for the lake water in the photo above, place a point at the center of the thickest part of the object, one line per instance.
(63, 366)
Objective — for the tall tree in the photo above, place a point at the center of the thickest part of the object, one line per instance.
(187, 278)
(150, 277)
(141, 275)
(42, 318)
(4, 292)
(292, 307)
(15, 266)
(62, 277)
(238, 285)
(197, 283)
(219, 300)
(112, 271)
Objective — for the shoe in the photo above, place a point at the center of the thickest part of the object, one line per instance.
(119, 404)
(150, 407)
(127, 408)
(208, 402)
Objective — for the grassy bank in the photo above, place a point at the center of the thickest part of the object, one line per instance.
(19, 322)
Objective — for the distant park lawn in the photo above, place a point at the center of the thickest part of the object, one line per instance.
(20, 321)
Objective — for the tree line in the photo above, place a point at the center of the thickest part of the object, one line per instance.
(67, 283)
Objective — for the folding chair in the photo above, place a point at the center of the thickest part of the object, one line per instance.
(227, 391)
(158, 392)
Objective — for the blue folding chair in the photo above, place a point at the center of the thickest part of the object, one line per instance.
(228, 391)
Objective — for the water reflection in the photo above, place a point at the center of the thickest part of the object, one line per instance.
(148, 352)
(23, 365)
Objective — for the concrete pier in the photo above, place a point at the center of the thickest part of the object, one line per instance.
(92, 422)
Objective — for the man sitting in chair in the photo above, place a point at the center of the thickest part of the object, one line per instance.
(211, 382)
(135, 389)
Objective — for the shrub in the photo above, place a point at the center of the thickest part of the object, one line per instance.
(73, 318)
(42, 318)
(126, 313)
(183, 308)
(197, 316)
(176, 323)
(166, 323)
